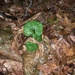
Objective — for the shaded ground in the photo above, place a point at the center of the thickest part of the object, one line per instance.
(55, 54)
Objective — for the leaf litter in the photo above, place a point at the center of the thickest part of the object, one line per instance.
(56, 52)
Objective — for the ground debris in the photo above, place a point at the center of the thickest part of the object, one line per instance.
(55, 54)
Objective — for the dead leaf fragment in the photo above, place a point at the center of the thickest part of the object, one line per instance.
(47, 68)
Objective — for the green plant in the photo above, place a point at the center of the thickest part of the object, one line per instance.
(31, 47)
(34, 29)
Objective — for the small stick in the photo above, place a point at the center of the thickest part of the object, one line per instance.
(28, 7)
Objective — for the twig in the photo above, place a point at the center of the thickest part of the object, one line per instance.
(28, 7)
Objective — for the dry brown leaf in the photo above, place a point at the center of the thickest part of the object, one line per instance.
(72, 38)
(66, 47)
(10, 67)
(66, 22)
(68, 51)
(47, 68)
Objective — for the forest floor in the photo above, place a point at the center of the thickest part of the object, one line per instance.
(56, 52)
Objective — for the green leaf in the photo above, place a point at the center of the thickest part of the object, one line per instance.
(33, 28)
(38, 37)
(31, 47)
